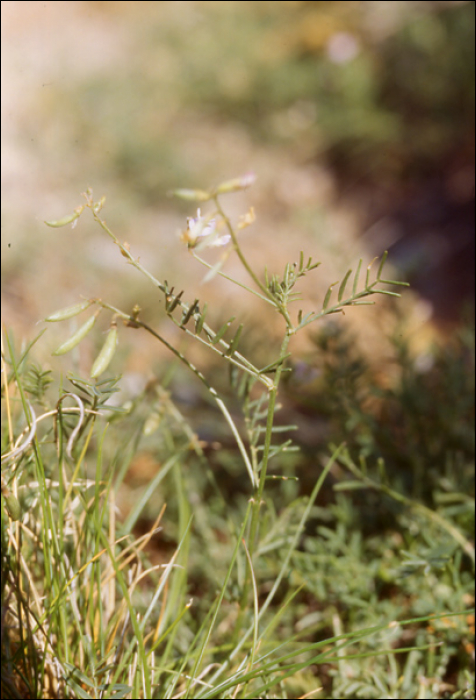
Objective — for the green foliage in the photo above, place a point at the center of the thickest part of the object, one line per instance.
(407, 422)
(244, 585)
(37, 381)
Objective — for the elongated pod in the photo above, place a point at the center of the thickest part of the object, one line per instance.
(68, 219)
(68, 312)
(102, 361)
(77, 337)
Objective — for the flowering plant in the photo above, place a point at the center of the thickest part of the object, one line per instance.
(204, 232)
(261, 549)
(257, 387)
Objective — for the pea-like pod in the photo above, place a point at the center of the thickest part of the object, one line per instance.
(13, 506)
(192, 195)
(69, 219)
(68, 312)
(105, 356)
(238, 183)
(77, 337)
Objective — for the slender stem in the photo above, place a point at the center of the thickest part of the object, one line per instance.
(230, 279)
(279, 305)
(211, 390)
(214, 393)
(258, 493)
(267, 445)
(239, 252)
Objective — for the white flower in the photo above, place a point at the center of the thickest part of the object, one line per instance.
(203, 233)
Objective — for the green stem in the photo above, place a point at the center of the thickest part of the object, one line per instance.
(267, 447)
(258, 492)
(239, 252)
(230, 279)
(279, 306)
(214, 393)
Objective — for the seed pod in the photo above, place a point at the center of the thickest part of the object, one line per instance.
(238, 183)
(77, 337)
(68, 312)
(105, 356)
(192, 195)
(69, 219)
(13, 506)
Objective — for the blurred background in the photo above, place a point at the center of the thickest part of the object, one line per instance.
(357, 118)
